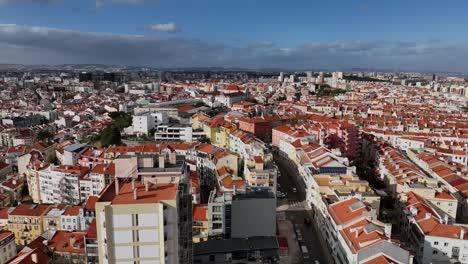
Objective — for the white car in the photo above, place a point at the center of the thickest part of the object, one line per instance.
(280, 194)
(294, 189)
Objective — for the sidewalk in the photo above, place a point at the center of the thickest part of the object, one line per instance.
(286, 230)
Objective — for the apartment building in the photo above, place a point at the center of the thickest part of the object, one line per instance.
(143, 123)
(62, 184)
(429, 234)
(26, 222)
(259, 171)
(353, 235)
(200, 223)
(145, 221)
(177, 133)
(7, 246)
(219, 213)
(100, 176)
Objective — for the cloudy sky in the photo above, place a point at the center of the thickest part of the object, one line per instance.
(335, 34)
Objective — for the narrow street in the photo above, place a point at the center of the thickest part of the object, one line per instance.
(297, 213)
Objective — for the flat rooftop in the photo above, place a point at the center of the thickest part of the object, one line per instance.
(155, 194)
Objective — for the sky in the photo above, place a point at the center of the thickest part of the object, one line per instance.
(419, 35)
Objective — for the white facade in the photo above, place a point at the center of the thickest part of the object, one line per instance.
(178, 133)
(444, 248)
(70, 222)
(143, 123)
(58, 187)
(7, 249)
(149, 228)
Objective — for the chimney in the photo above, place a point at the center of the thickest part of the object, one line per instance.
(135, 194)
(133, 184)
(161, 161)
(388, 230)
(446, 219)
(172, 158)
(34, 258)
(428, 215)
(462, 233)
(147, 186)
(117, 186)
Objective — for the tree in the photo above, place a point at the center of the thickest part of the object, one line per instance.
(204, 139)
(44, 135)
(110, 136)
(24, 191)
(121, 119)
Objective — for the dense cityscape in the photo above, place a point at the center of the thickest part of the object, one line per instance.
(145, 166)
(233, 132)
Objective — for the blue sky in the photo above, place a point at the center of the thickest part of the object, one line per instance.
(408, 35)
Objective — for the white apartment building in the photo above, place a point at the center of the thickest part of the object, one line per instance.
(145, 222)
(431, 237)
(70, 220)
(144, 122)
(7, 246)
(177, 133)
(60, 185)
(353, 235)
(218, 212)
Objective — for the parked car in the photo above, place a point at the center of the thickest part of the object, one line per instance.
(280, 194)
(305, 252)
(294, 190)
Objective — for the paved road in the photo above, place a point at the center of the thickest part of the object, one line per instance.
(297, 212)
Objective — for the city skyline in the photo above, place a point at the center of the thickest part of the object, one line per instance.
(423, 36)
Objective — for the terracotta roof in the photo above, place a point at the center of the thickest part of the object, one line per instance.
(362, 234)
(200, 213)
(5, 234)
(92, 231)
(91, 202)
(4, 212)
(3, 165)
(104, 169)
(30, 210)
(185, 108)
(26, 257)
(344, 211)
(68, 242)
(72, 211)
(155, 194)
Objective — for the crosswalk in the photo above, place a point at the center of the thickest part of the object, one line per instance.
(296, 204)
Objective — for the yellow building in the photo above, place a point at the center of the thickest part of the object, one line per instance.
(197, 120)
(200, 223)
(218, 130)
(26, 222)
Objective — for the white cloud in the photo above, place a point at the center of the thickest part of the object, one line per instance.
(169, 27)
(43, 45)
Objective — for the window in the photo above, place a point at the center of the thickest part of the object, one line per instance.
(436, 243)
(446, 244)
(435, 252)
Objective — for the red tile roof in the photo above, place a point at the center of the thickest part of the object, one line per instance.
(155, 194)
(92, 231)
(30, 210)
(343, 213)
(200, 213)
